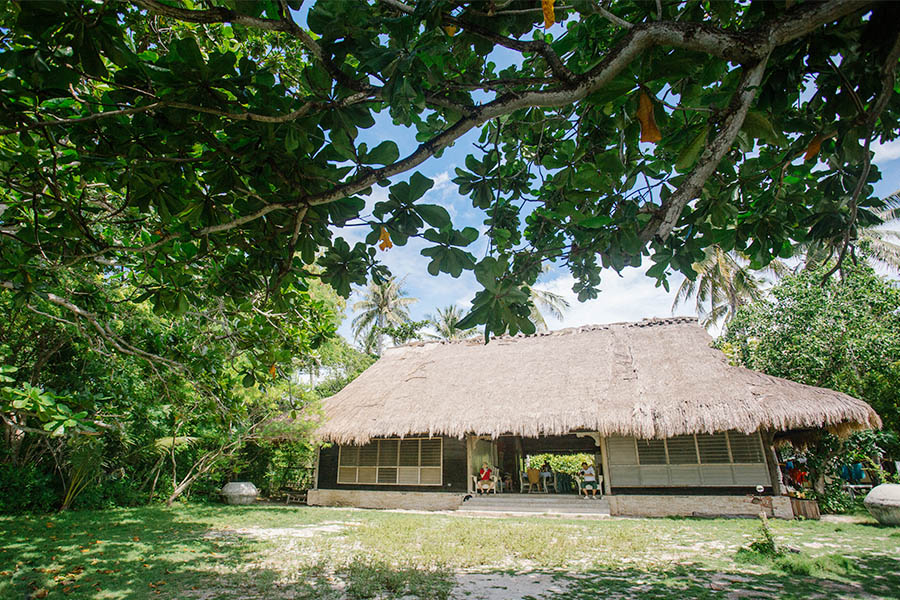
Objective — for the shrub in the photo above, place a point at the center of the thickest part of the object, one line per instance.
(836, 500)
(27, 489)
(561, 463)
(111, 492)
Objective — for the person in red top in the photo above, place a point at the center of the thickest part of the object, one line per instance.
(484, 479)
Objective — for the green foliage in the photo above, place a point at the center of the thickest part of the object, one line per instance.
(404, 332)
(561, 463)
(27, 488)
(53, 414)
(211, 150)
(446, 322)
(764, 550)
(843, 335)
(765, 544)
(384, 306)
(62, 379)
(835, 499)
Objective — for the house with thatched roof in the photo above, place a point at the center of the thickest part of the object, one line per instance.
(674, 428)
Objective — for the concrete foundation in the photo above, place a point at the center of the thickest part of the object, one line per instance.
(778, 507)
(385, 499)
(699, 506)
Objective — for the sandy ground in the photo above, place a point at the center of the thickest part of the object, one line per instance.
(500, 586)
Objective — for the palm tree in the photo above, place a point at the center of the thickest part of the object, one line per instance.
(723, 284)
(554, 304)
(445, 321)
(384, 305)
(882, 246)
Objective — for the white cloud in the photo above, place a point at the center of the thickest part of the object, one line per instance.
(631, 297)
(442, 182)
(886, 152)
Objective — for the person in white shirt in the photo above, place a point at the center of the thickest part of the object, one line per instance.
(588, 480)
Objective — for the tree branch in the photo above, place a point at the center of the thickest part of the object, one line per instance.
(664, 220)
(89, 118)
(115, 341)
(539, 47)
(745, 47)
(888, 75)
(286, 25)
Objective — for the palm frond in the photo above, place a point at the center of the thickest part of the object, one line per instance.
(164, 445)
(890, 211)
(383, 304)
(880, 247)
(723, 284)
(555, 304)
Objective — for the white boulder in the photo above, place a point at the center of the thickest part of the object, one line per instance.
(240, 492)
(883, 502)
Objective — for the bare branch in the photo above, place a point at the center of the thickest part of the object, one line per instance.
(615, 20)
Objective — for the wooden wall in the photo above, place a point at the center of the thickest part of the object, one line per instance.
(664, 469)
(453, 471)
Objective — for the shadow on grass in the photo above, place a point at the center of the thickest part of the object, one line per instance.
(184, 554)
(197, 554)
(139, 553)
(867, 577)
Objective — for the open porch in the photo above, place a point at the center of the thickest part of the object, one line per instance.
(728, 462)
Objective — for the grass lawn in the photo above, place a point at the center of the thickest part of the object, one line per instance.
(208, 552)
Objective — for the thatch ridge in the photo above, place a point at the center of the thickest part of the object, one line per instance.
(650, 379)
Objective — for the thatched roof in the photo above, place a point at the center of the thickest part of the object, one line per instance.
(652, 379)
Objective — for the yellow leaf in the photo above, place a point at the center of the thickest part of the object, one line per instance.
(450, 30)
(272, 370)
(649, 131)
(549, 17)
(384, 240)
(814, 146)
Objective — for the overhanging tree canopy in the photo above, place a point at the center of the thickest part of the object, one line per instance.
(209, 148)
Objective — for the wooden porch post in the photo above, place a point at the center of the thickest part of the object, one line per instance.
(768, 439)
(315, 484)
(604, 459)
(470, 441)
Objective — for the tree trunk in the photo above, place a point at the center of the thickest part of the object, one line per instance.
(819, 483)
(206, 462)
(181, 487)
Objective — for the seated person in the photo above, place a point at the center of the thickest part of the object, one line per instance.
(484, 482)
(588, 480)
(546, 474)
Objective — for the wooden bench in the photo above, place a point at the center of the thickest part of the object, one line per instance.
(297, 496)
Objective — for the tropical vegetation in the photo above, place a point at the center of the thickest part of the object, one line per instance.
(840, 334)
(382, 306)
(178, 180)
(545, 302)
(445, 321)
(212, 150)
